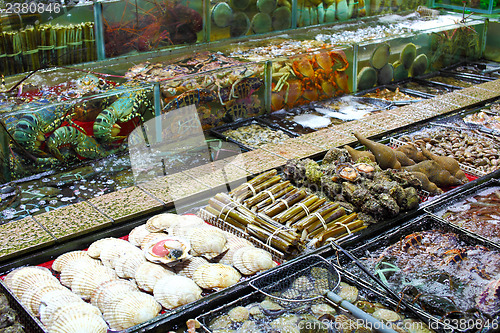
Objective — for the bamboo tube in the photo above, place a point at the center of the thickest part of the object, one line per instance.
(227, 210)
(296, 208)
(312, 221)
(312, 207)
(225, 218)
(243, 188)
(269, 201)
(227, 200)
(341, 230)
(267, 237)
(60, 44)
(290, 199)
(257, 188)
(3, 54)
(272, 226)
(330, 219)
(342, 225)
(263, 195)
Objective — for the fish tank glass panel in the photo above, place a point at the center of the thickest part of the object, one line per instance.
(476, 6)
(492, 48)
(310, 77)
(38, 35)
(143, 25)
(319, 12)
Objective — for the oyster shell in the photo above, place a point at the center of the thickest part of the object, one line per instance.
(75, 322)
(87, 281)
(364, 167)
(127, 264)
(95, 248)
(211, 276)
(132, 309)
(66, 258)
(347, 171)
(250, 260)
(148, 274)
(184, 292)
(137, 234)
(207, 242)
(54, 299)
(162, 222)
(68, 272)
(103, 295)
(167, 250)
(188, 266)
(234, 243)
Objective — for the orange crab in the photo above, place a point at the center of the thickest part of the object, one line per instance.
(304, 71)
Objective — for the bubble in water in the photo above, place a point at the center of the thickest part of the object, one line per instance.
(110, 181)
(82, 187)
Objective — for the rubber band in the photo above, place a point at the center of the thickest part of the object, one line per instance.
(30, 52)
(227, 214)
(304, 207)
(285, 202)
(346, 228)
(250, 187)
(46, 48)
(323, 222)
(276, 232)
(222, 210)
(14, 54)
(270, 195)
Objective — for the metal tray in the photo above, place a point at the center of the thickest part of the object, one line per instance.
(419, 96)
(447, 201)
(484, 70)
(219, 131)
(421, 223)
(442, 88)
(473, 79)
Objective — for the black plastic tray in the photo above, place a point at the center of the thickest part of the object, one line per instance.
(481, 69)
(219, 131)
(447, 201)
(443, 87)
(462, 77)
(421, 223)
(419, 95)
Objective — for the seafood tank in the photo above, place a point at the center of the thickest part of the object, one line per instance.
(481, 6)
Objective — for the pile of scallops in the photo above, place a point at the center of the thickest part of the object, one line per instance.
(166, 263)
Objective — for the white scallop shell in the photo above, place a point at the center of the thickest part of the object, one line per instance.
(154, 236)
(54, 299)
(127, 264)
(188, 266)
(137, 234)
(19, 273)
(172, 243)
(148, 274)
(73, 307)
(85, 282)
(132, 309)
(103, 296)
(250, 260)
(234, 243)
(66, 258)
(183, 228)
(77, 323)
(215, 276)
(162, 222)
(21, 286)
(94, 249)
(75, 266)
(111, 252)
(174, 291)
(207, 242)
(32, 297)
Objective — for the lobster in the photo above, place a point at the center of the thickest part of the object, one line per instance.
(126, 107)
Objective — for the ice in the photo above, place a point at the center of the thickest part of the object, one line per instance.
(312, 121)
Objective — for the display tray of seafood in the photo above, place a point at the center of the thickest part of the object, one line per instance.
(274, 214)
(483, 69)
(274, 312)
(476, 151)
(252, 133)
(486, 119)
(426, 87)
(476, 210)
(456, 80)
(327, 113)
(395, 95)
(118, 283)
(443, 270)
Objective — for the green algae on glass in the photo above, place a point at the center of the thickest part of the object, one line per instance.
(380, 56)
(20, 236)
(367, 77)
(126, 204)
(73, 220)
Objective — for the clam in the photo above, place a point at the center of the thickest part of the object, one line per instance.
(137, 234)
(66, 258)
(68, 272)
(32, 297)
(162, 222)
(212, 276)
(111, 252)
(127, 265)
(76, 322)
(347, 171)
(94, 249)
(167, 251)
(188, 266)
(103, 295)
(62, 311)
(132, 309)
(348, 292)
(173, 291)
(239, 314)
(250, 260)
(54, 299)
(207, 242)
(234, 243)
(148, 274)
(85, 282)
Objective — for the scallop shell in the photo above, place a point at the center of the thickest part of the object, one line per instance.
(234, 243)
(54, 299)
(76, 323)
(111, 252)
(174, 291)
(87, 281)
(183, 228)
(212, 276)
(187, 267)
(207, 242)
(73, 307)
(162, 222)
(28, 281)
(178, 249)
(135, 308)
(75, 266)
(250, 260)
(103, 295)
(154, 236)
(19, 273)
(137, 234)
(148, 274)
(94, 249)
(32, 297)
(66, 258)
(127, 264)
